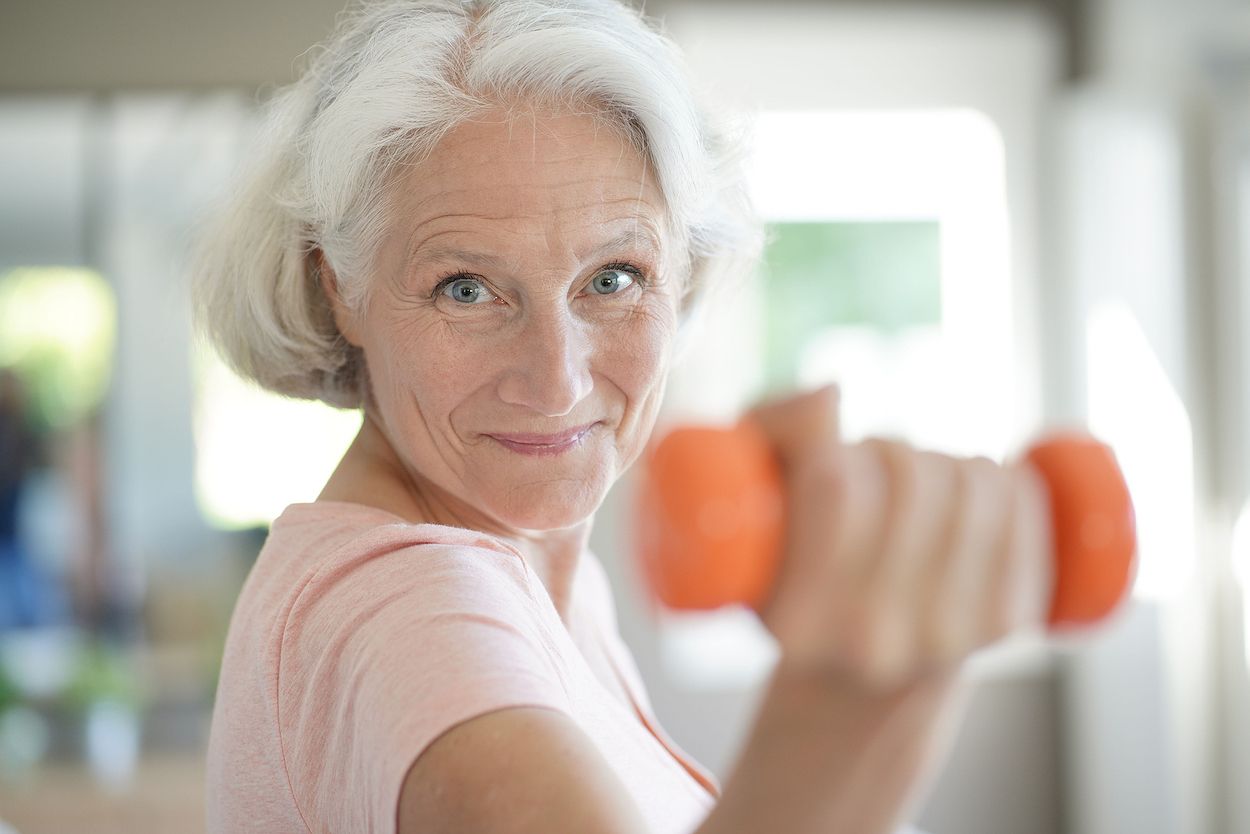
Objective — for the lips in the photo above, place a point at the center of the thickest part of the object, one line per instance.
(539, 444)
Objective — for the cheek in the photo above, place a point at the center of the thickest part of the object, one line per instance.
(639, 355)
(441, 367)
(419, 367)
(654, 341)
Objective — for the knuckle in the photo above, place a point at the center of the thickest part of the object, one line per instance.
(860, 639)
(982, 472)
(938, 478)
(900, 464)
(855, 649)
(932, 463)
(893, 453)
(1030, 485)
(822, 476)
(981, 461)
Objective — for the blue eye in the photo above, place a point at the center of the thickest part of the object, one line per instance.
(609, 281)
(467, 291)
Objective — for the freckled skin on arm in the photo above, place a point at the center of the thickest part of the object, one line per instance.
(521, 770)
(824, 755)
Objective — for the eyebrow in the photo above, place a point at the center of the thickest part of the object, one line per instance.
(639, 236)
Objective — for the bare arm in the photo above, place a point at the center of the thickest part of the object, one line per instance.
(827, 754)
(824, 755)
(522, 769)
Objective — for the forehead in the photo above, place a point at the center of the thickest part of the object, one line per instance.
(535, 172)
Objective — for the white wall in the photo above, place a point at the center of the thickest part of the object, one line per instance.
(43, 203)
(1157, 708)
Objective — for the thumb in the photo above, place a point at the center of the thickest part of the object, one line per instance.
(798, 424)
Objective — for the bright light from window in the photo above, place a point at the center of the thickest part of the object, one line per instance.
(257, 452)
(1241, 548)
(1134, 408)
(1241, 569)
(941, 387)
(57, 327)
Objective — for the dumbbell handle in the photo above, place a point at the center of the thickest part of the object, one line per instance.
(711, 518)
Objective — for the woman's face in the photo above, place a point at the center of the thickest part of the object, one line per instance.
(519, 330)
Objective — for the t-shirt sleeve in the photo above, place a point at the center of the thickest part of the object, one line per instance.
(383, 653)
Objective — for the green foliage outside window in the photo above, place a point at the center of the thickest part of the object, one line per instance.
(883, 275)
(57, 330)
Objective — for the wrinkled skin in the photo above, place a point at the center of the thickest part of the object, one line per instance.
(522, 288)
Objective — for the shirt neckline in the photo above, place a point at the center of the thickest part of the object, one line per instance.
(319, 509)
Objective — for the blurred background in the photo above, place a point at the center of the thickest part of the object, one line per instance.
(986, 219)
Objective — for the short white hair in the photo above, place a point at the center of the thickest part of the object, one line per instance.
(392, 80)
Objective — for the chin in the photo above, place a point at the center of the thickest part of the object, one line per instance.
(549, 509)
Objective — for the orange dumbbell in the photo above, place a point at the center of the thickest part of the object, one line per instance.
(711, 519)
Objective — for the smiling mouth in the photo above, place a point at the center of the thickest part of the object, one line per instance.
(543, 444)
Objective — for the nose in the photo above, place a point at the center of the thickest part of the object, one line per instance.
(548, 369)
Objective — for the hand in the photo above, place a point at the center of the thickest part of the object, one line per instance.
(897, 562)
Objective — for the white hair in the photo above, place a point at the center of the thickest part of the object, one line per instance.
(385, 88)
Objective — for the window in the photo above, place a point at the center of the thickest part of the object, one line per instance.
(887, 271)
(257, 452)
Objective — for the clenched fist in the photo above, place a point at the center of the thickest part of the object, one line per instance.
(898, 562)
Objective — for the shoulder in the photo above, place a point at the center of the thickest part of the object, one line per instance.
(387, 596)
(343, 554)
(398, 632)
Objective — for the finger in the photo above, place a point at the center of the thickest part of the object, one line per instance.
(1019, 588)
(940, 592)
(1031, 578)
(979, 530)
(816, 491)
(864, 515)
(800, 424)
(835, 519)
(996, 613)
(919, 498)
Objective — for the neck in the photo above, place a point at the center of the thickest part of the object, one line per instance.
(373, 474)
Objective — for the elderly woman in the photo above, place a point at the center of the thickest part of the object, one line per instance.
(484, 224)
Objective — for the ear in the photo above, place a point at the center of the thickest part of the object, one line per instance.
(345, 319)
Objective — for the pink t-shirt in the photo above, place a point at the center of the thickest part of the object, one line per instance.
(359, 638)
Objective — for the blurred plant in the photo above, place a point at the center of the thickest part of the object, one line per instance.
(104, 688)
(57, 329)
(24, 734)
(102, 673)
(9, 694)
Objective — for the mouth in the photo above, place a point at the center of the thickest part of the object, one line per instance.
(543, 444)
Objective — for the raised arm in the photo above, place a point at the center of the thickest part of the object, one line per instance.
(824, 755)
(898, 564)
